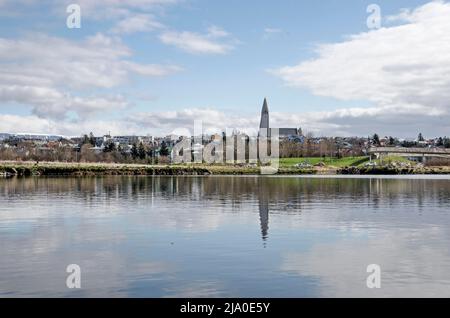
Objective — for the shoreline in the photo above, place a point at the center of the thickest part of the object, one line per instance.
(22, 169)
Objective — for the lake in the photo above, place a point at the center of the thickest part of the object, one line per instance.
(225, 236)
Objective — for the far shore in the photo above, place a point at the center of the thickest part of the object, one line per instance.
(29, 168)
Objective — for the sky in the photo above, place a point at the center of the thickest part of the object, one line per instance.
(153, 67)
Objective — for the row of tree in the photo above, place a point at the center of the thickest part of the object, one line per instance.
(139, 153)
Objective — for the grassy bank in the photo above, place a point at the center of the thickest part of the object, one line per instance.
(326, 161)
(86, 169)
(92, 169)
(353, 165)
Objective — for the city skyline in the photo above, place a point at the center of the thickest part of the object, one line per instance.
(155, 66)
(264, 125)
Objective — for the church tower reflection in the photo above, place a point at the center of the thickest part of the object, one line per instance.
(263, 201)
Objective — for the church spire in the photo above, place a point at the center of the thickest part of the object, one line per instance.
(265, 108)
(264, 124)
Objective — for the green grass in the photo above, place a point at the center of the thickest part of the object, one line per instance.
(391, 159)
(335, 162)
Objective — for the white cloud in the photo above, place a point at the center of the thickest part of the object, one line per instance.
(99, 9)
(403, 16)
(46, 73)
(401, 121)
(401, 69)
(49, 102)
(137, 23)
(141, 123)
(31, 124)
(126, 16)
(183, 120)
(98, 61)
(215, 41)
(344, 122)
(35, 124)
(152, 69)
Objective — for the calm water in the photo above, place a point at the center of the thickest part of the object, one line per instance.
(225, 236)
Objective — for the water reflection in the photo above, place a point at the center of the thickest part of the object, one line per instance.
(263, 203)
(201, 236)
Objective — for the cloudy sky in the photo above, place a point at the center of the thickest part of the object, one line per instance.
(155, 66)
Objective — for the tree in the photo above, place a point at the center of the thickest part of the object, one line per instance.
(151, 154)
(408, 144)
(123, 151)
(134, 151)
(85, 140)
(110, 146)
(440, 142)
(391, 141)
(164, 151)
(141, 151)
(86, 154)
(92, 139)
(420, 137)
(376, 139)
(447, 142)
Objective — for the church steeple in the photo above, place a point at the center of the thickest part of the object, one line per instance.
(264, 124)
(265, 108)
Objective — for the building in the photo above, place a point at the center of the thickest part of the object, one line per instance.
(288, 132)
(37, 137)
(4, 136)
(126, 140)
(264, 126)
